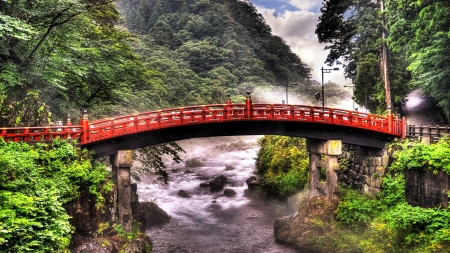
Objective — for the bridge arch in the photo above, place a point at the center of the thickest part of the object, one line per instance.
(107, 136)
(233, 128)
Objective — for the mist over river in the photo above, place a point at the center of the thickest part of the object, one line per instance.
(209, 221)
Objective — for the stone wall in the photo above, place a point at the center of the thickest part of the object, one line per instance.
(425, 189)
(363, 167)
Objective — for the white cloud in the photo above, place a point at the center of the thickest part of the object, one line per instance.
(306, 5)
(297, 28)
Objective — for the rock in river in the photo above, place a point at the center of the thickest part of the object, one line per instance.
(154, 215)
(183, 194)
(229, 192)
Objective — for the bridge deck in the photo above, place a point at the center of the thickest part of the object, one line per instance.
(89, 133)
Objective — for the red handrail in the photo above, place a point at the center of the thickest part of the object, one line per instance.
(98, 130)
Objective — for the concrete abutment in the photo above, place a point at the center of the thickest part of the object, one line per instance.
(330, 151)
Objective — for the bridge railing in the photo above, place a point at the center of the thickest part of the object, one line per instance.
(324, 115)
(47, 133)
(103, 129)
(431, 133)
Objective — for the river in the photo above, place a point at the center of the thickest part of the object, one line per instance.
(211, 222)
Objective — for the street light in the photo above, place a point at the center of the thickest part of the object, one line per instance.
(353, 93)
(323, 93)
(288, 85)
(317, 95)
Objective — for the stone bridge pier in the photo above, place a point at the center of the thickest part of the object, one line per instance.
(121, 163)
(324, 154)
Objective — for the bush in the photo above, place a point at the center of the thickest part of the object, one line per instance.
(417, 155)
(355, 208)
(386, 223)
(283, 163)
(35, 182)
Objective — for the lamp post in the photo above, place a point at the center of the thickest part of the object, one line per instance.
(353, 94)
(317, 95)
(323, 93)
(288, 85)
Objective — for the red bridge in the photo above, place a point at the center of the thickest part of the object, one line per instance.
(107, 136)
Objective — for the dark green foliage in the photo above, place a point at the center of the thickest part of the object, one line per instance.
(57, 57)
(419, 156)
(352, 31)
(386, 223)
(420, 28)
(358, 209)
(283, 164)
(35, 182)
(226, 44)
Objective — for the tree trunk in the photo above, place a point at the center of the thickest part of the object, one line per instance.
(384, 60)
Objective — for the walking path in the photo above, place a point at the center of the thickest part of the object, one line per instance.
(420, 110)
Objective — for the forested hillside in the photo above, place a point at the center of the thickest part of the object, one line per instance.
(209, 48)
(57, 57)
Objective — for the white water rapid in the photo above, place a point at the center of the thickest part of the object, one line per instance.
(208, 221)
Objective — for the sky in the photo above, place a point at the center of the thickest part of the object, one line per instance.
(295, 21)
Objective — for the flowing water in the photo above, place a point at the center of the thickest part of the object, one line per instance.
(211, 222)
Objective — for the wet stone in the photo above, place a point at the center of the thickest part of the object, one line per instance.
(229, 192)
(183, 194)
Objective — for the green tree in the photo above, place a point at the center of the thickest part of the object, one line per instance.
(421, 29)
(353, 31)
(68, 55)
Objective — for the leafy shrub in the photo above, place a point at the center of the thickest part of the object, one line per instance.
(355, 208)
(386, 223)
(417, 155)
(35, 182)
(283, 163)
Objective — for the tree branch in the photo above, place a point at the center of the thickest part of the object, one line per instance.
(52, 25)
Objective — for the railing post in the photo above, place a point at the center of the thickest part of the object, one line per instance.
(390, 120)
(248, 106)
(84, 122)
(26, 137)
(403, 127)
(292, 112)
(228, 101)
(227, 108)
(182, 115)
(203, 113)
(69, 121)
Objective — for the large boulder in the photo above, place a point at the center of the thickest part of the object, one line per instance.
(229, 193)
(250, 179)
(194, 162)
(297, 229)
(252, 184)
(204, 185)
(183, 194)
(217, 184)
(154, 215)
